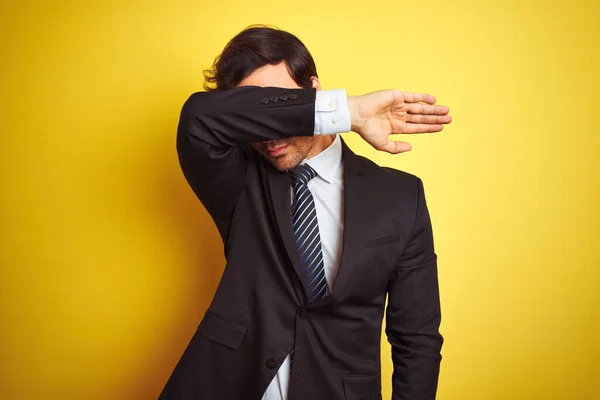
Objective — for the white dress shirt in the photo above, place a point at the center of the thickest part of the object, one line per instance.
(331, 116)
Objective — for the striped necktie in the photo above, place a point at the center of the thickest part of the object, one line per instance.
(306, 233)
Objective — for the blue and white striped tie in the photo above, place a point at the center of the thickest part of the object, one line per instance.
(306, 232)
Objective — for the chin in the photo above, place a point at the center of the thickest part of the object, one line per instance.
(281, 166)
(284, 163)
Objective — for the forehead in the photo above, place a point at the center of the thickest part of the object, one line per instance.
(270, 75)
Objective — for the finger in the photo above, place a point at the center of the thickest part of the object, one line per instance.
(421, 128)
(418, 98)
(420, 108)
(393, 147)
(428, 119)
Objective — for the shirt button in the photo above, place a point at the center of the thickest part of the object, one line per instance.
(264, 100)
(331, 105)
(271, 363)
(335, 120)
(303, 313)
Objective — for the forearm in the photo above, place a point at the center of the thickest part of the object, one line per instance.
(248, 114)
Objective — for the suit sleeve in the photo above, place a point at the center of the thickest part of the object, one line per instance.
(413, 314)
(214, 131)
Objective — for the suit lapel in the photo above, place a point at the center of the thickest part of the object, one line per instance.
(354, 222)
(354, 202)
(280, 191)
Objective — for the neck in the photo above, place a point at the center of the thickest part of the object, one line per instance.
(321, 143)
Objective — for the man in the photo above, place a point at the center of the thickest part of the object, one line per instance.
(315, 236)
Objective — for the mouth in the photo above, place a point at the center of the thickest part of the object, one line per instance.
(277, 151)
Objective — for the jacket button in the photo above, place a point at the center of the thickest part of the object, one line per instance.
(272, 363)
(293, 96)
(274, 99)
(283, 97)
(303, 313)
(264, 100)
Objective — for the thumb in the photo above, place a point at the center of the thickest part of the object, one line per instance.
(393, 147)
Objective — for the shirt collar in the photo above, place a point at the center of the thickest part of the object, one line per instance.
(327, 162)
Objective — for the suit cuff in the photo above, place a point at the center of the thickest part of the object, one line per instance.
(332, 114)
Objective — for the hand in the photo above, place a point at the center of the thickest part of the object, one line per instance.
(376, 116)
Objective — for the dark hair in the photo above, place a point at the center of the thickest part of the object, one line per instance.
(254, 47)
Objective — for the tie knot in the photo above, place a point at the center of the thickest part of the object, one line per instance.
(303, 174)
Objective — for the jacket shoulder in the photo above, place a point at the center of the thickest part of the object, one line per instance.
(394, 177)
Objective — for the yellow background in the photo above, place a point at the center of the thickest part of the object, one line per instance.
(109, 262)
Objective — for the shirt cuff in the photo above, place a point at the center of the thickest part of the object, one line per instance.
(332, 114)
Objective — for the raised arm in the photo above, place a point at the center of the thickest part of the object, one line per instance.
(215, 128)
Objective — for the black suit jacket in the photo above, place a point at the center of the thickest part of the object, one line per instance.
(259, 312)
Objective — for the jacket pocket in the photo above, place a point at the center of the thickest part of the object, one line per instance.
(221, 330)
(362, 387)
(380, 241)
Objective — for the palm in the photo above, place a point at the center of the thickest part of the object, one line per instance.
(390, 112)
